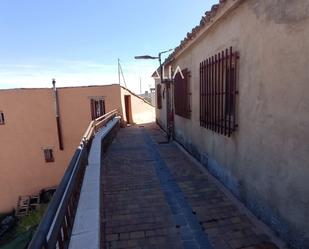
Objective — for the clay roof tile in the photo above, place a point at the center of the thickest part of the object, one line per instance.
(194, 32)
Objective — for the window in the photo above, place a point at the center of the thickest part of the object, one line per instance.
(97, 108)
(1, 118)
(218, 90)
(182, 94)
(48, 155)
(159, 97)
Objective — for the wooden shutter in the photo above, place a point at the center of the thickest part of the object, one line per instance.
(182, 95)
(159, 97)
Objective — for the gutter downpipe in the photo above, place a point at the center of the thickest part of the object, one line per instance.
(56, 103)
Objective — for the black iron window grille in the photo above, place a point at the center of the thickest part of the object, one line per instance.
(218, 91)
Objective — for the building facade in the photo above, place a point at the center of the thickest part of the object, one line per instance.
(241, 106)
(149, 96)
(32, 156)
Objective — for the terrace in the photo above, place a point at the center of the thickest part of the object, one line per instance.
(131, 188)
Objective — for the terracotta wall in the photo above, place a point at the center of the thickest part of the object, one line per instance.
(30, 125)
(142, 111)
(75, 110)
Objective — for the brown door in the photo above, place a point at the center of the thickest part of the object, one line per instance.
(127, 101)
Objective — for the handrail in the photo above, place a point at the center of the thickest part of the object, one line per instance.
(56, 226)
(96, 124)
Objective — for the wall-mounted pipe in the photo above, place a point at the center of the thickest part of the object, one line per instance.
(59, 131)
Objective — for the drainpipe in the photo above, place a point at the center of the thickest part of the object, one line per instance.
(55, 93)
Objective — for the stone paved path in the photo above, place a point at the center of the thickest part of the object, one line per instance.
(153, 196)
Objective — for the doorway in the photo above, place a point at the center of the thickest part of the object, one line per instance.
(127, 102)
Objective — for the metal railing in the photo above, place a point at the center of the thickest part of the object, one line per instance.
(56, 226)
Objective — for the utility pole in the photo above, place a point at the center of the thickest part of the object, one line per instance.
(140, 85)
(118, 71)
(121, 72)
(169, 111)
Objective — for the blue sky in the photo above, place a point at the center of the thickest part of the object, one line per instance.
(78, 42)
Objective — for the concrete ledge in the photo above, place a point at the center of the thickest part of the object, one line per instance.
(86, 228)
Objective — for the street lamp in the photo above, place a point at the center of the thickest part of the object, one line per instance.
(169, 112)
(148, 57)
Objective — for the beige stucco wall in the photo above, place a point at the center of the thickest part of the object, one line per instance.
(266, 162)
(30, 125)
(142, 111)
